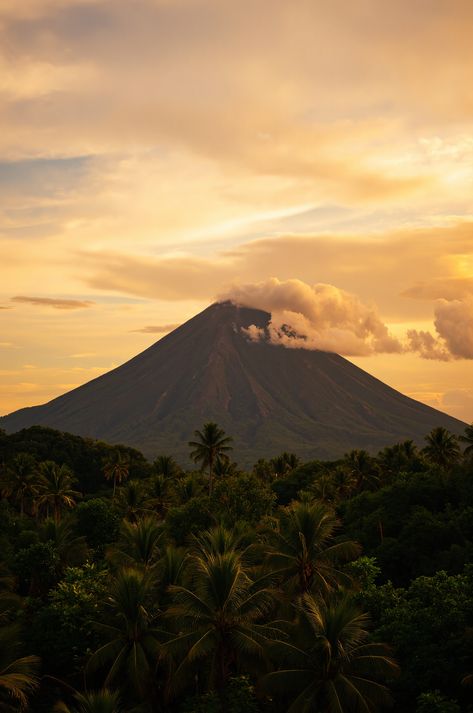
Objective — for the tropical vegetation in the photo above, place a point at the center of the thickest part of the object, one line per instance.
(135, 586)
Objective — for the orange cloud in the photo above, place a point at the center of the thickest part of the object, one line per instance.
(315, 317)
(53, 302)
(383, 268)
(157, 329)
(454, 325)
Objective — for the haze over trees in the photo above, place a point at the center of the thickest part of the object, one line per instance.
(333, 586)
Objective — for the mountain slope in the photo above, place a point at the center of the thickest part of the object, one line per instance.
(269, 398)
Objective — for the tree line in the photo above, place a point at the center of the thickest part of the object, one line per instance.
(331, 586)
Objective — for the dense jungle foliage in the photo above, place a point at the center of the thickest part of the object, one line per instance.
(334, 587)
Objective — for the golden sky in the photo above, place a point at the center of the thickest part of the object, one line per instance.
(314, 157)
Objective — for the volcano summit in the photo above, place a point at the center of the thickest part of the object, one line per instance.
(268, 397)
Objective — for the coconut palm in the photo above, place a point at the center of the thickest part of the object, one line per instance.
(344, 483)
(19, 480)
(138, 544)
(55, 491)
(284, 464)
(327, 662)
(442, 448)
(323, 488)
(159, 494)
(304, 550)
(71, 549)
(362, 468)
(223, 466)
(219, 540)
(18, 674)
(468, 439)
(170, 570)
(210, 444)
(116, 468)
(189, 487)
(133, 649)
(104, 701)
(132, 500)
(166, 465)
(220, 617)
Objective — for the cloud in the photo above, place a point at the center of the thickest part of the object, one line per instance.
(454, 325)
(157, 329)
(42, 176)
(382, 267)
(274, 103)
(315, 317)
(179, 278)
(448, 288)
(53, 302)
(427, 346)
(82, 355)
(29, 9)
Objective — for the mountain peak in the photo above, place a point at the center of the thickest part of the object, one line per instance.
(268, 398)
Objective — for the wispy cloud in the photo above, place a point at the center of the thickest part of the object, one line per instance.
(53, 302)
(157, 328)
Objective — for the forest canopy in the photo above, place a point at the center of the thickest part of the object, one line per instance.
(332, 586)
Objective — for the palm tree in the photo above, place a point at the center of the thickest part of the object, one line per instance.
(138, 544)
(166, 466)
(468, 439)
(223, 466)
(284, 464)
(362, 468)
(442, 448)
(219, 540)
(55, 489)
(104, 701)
(132, 500)
(210, 444)
(170, 570)
(18, 674)
(328, 664)
(323, 488)
(219, 617)
(304, 549)
(116, 468)
(159, 494)
(71, 549)
(344, 483)
(19, 480)
(133, 649)
(189, 487)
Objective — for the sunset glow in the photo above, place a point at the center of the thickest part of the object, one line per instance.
(159, 154)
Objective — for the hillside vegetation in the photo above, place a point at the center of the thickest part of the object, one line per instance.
(129, 585)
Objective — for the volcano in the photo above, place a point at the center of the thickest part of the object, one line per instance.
(268, 397)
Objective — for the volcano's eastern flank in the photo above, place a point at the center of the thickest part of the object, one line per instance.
(269, 398)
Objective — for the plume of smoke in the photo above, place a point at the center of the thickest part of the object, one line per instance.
(325, 317)
(317, 316)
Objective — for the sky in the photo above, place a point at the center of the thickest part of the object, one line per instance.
(312, 158)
